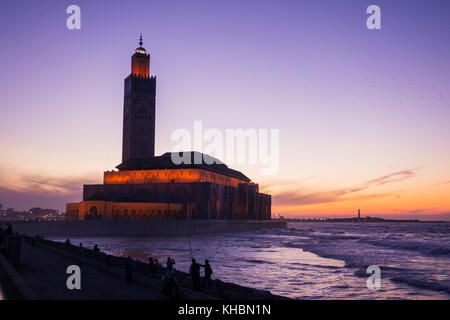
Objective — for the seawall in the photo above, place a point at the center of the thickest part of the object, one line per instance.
(13, 286)
(141, 227)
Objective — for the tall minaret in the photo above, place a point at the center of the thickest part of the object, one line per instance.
(139, 108)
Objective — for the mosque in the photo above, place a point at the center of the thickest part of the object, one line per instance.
(147, 187)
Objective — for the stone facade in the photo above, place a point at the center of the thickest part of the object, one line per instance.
(110, 210)
(209, 200)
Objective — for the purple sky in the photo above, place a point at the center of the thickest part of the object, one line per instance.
(352, 105)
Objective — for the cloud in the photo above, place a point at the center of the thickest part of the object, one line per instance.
(441, 183)
(22, 190)
(392, 177)
(306, 196)
(318, 197)
(414, 211)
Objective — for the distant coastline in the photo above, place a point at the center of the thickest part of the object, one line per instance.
(354, 219)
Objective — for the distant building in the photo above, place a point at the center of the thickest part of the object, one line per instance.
(153, 187)
(9, 215)
(39, 211)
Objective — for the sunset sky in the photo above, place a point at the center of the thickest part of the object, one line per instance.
(364, 115)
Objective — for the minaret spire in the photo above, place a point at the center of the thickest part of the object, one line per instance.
(140, 61)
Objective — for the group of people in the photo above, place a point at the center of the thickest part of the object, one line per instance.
(194, 270)
(169, 285)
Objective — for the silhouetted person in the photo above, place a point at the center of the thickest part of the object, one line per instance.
(170, 263)
(67, 242)
(169, 285)
(96, 249)
(195, 274)
(152, 266)
(159, 266)
(9, 229)
(208, 273)
(128, 267)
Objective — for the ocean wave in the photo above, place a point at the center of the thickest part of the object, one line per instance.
(257, 261)
(314, 265)
(425, 248)
(422, 284)
(360, 259)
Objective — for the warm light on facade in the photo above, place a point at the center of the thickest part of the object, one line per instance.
(169, 176)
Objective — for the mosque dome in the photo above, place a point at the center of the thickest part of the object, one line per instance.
(140, 49)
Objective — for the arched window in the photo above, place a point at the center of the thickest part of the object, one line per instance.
(93, 214)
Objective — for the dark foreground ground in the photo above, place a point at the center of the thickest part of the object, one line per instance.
(44, 263)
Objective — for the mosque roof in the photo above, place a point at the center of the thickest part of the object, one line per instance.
(164, 161)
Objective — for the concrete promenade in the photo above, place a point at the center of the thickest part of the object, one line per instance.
(33, 268)
(42, 276)
(45, 273)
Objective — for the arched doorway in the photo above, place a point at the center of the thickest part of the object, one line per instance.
(93, 213)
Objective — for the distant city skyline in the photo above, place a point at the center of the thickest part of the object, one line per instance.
(363, 114)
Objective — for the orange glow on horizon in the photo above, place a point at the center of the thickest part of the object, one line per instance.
(424, 201)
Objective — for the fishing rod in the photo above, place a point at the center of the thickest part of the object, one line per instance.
(189, 239)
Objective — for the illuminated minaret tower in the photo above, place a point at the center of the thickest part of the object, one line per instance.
(139, 108)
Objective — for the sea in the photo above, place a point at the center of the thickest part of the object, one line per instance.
(312, 260)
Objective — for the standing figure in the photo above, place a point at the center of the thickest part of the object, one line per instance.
(208, 273)
(170, 263)
(195, 274)
(152, 266)
(9, 229)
